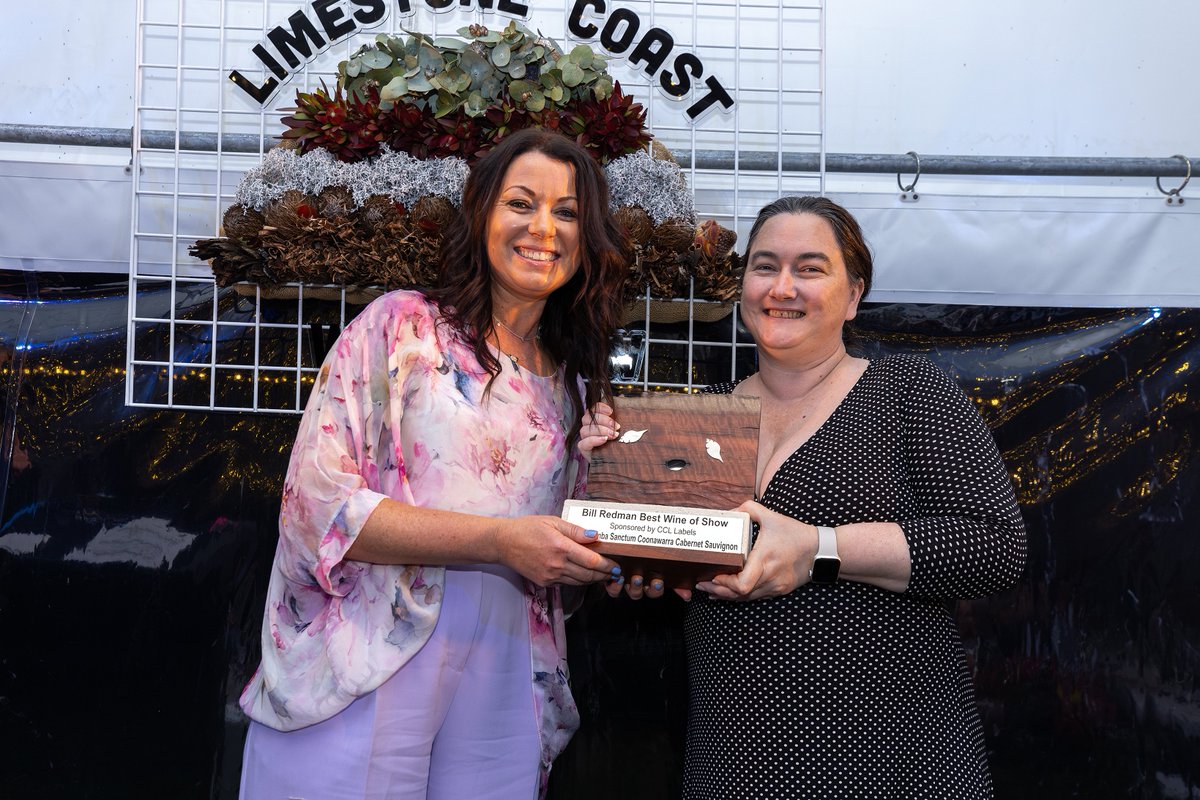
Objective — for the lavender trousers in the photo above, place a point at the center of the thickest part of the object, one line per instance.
(455, 722)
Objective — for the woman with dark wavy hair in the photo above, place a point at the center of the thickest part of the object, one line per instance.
(413, 645)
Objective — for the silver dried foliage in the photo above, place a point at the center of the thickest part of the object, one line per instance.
(658, 186)
(268, 181)
(406, 179)
(397, 175)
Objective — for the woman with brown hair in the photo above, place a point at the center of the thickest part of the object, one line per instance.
(830, 667)
(413, 642)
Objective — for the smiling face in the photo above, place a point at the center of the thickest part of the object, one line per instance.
(533, 231)
(797, 293)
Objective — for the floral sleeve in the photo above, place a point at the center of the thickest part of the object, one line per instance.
(322, 610)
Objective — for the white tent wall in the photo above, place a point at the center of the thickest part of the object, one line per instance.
(1028, 78)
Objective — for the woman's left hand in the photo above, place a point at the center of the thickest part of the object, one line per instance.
(778, 563)
(598, 427)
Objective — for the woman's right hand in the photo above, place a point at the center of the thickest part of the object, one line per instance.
(599, 427)
(549, 550)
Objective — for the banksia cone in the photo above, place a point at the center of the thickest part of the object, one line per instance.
(636, 223)
(430, 215)
(334, 201)
(240, 222)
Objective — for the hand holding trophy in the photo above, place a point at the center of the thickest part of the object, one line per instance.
(661, 481)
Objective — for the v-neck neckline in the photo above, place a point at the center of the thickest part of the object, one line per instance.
(787, 459)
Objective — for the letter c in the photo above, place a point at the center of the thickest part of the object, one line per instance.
(575, 22)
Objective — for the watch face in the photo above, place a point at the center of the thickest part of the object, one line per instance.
(825, 570)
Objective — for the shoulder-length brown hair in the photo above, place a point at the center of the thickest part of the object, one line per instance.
(580, 317)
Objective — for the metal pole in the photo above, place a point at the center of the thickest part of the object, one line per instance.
(756, 161)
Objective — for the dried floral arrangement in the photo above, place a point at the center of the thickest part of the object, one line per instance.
(370, 174)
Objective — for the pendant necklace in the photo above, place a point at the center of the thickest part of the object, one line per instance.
(526, 339)
(529, 337)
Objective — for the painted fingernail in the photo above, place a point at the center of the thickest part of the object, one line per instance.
(617, 579)
(656, 585)
(636, 581)
(616, 571)
(590, 534)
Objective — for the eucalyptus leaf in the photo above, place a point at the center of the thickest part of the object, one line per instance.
(449, 43)
(501, 54)
(358, 88)
(493, 88)
(444, 105)
(376, 59)
(430, 59)
(381, 76)
(475, 67)
(475, 104)
(419, 83)
(353, 67)
(517, 89)
(603, 87)
(491, 37)
(556, 93)
(582, 55)
(396, 88)
(572, 75)
(516, 70)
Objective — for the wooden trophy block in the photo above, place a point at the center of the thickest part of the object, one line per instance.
(667, 483)
(694, 450)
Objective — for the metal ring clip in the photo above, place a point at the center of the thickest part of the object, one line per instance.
(1173, 195)
(905, 190)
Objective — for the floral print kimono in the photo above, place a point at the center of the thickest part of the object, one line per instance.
(398, 411)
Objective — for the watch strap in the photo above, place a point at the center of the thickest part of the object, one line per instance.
(827, 565)
(826, 542)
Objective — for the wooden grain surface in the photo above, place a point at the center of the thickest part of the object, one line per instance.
(677, 428)
(679, 568)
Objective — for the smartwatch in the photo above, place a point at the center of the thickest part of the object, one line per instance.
(826, 564)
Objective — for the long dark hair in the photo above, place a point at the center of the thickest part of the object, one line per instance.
(846, 230)
(581, 316)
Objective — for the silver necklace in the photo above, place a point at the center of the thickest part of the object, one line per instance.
(529, 337)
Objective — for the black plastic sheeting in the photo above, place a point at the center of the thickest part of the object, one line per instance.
(135, 546)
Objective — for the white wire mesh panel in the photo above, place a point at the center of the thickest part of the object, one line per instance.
(196, 133)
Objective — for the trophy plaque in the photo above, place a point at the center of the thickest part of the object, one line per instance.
(660, 495)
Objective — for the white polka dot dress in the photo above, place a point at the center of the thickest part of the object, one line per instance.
(850, 691)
